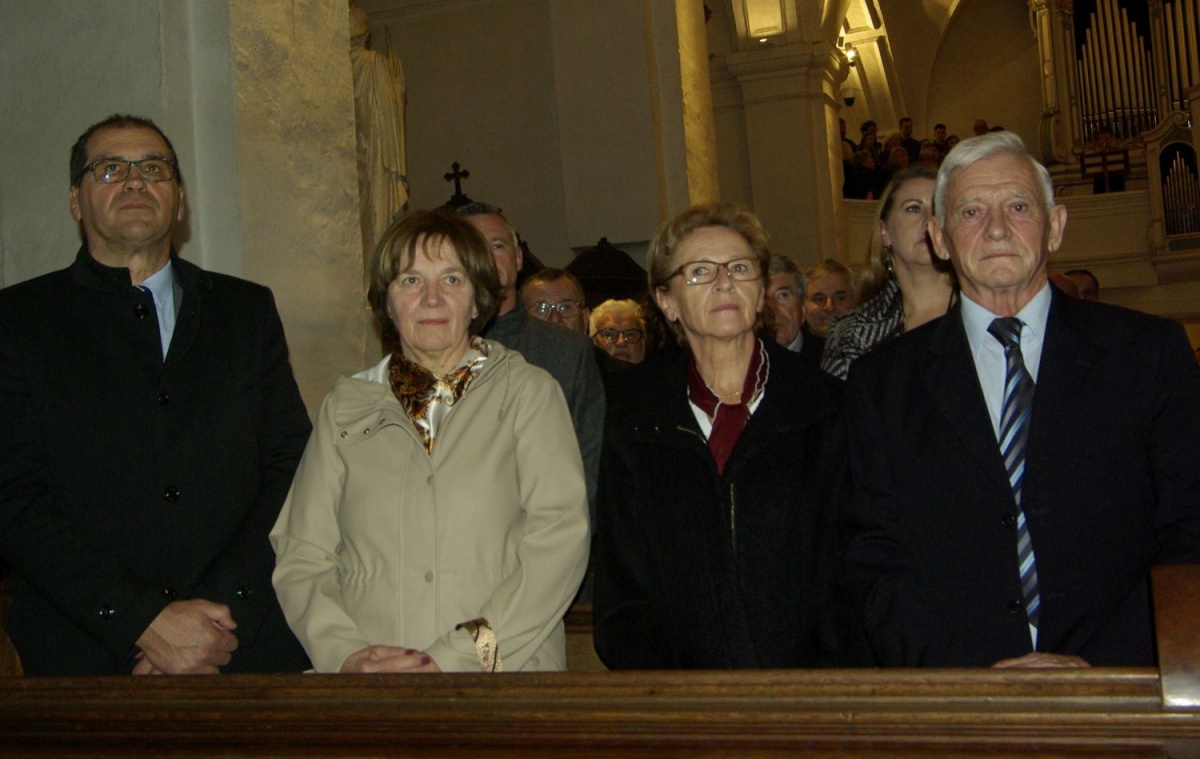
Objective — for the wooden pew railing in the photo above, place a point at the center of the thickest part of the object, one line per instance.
(1098, 712)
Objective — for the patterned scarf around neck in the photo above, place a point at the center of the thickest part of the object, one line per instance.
(728, 419)
(427, 398)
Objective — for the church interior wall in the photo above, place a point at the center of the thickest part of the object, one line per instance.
(494, 84)
(986, 67)
(606, 120)
(733, 160)
(481, 91)
(51, 89)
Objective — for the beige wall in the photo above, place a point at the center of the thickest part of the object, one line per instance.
(51, 89)
(566, 113)
(259, 131)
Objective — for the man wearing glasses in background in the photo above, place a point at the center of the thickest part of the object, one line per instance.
(556, 296)
(151, 428)
(566, 355)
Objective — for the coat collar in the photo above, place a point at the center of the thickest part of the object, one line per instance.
(797, 396)
(89, 272)
(191, 285)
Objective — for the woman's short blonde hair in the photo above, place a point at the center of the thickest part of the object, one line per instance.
(399, 243)
(660, 257)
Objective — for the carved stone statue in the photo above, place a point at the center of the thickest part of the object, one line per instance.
(379, 94)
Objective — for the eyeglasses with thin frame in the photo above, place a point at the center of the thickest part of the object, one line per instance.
(110, 170)
(630, 336)
(566, 308)
(703, 271)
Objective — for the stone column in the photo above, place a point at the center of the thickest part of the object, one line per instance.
(698, 126)
(789, 96)
(1060, 129)
(299, 191)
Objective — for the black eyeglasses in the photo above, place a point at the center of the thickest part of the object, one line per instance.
(566, 308)
(109, 170)
(630, 336)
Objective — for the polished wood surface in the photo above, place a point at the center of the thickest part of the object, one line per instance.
(1177, 628)
(1075, 713)
(882, 713)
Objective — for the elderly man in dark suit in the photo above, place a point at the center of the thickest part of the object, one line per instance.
(1023, 461)
(150, 430)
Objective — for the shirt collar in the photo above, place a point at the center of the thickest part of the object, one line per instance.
(161, 283)
(977, 319)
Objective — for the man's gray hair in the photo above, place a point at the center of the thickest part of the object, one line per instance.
(781, 264)
(978, 148)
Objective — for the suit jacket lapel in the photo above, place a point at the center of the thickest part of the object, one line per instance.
(1069, 354)
(953, 384)
(190, 281)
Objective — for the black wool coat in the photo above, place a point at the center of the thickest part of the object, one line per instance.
(696, 569)
(127, 482)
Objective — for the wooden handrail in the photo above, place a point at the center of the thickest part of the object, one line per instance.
(1089, 712)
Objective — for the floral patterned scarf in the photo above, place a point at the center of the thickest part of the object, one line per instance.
(427, 398)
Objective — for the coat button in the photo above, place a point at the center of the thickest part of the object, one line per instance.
(1008, 520)
(171, 493)
(1015, 606)
(107, 612)
(169, 594)
(244, 592)
(140, 311)
(163, 399)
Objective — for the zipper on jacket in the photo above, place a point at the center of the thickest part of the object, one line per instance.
(732, 519)
(732, 495)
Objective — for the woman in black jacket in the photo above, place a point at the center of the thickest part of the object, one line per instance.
(723, 468)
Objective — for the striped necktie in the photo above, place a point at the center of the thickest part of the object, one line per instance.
(1014, 434)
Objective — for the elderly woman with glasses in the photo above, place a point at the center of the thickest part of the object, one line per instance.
(723, 468)
(619, 330)
(438, 519)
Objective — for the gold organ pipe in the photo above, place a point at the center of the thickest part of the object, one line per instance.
(1172, 57)
(1117, 66)
(1147, 92)
(1097, 78)
(1089, 93)
(1193, 27)
(1106, 99)
(1105, 55)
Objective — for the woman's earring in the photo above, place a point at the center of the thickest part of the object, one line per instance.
(887, 260)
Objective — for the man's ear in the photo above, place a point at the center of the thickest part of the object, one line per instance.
(1056, 227)
(73, 203)
(936, 237)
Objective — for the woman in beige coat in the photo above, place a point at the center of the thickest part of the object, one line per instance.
(438, 519)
